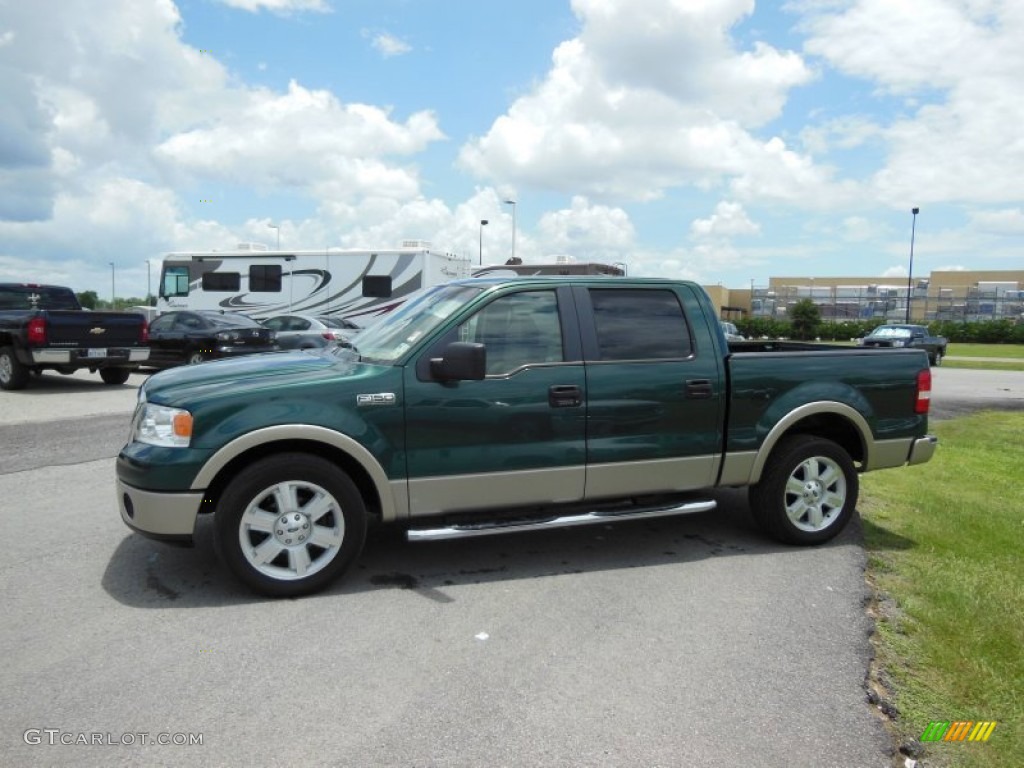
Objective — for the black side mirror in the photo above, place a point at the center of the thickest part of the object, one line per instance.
(461, 361)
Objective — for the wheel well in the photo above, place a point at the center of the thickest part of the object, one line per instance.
(835, 428)
(353, 468)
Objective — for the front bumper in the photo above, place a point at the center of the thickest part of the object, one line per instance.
(164, 516)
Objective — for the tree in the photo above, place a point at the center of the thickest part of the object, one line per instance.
(88, 299)
(805, 318)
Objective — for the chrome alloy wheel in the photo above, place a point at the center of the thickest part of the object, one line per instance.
(815, 493)
(291, 530)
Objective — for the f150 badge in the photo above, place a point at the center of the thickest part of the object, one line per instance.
(380, 398)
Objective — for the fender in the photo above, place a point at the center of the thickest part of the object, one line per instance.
(394, 495)
(812, 409)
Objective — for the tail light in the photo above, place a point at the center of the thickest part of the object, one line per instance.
(37, 331)
(144, 333)
(329, 336)
(924, 391)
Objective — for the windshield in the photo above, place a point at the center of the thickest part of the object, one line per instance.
(891, 333)
(391, 337)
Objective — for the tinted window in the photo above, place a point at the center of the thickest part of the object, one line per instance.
(37, 297)
(639, 325)
(518, 330)
(162, 323)
(265, 278)
(232, 320)
(222, 281)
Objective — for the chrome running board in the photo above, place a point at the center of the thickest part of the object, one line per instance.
(465, 530)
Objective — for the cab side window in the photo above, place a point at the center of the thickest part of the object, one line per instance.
(640, 324)
(518, 329)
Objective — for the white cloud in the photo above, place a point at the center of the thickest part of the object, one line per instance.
(1006, 221)
(279, 6)
(652, 95)
(728, 220)
(958, 64)
(389, 45)
(305, 140)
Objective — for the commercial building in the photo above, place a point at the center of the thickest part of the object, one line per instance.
(967, 295)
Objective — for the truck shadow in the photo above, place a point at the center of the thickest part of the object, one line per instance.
(52, 383)
(147, 574)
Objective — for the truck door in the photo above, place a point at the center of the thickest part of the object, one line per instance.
(655, 394)
(517, 436)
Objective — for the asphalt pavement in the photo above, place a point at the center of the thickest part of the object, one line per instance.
(679, 641)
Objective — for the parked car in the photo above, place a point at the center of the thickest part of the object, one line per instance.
(914, 336)
(347, 327)
(307, 332)
(731, 332)
(177, 338)
(491, 406)
(43, 327)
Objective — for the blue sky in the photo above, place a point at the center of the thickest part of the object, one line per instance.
(718, 140)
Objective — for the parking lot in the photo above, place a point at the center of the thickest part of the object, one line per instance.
(680, 641)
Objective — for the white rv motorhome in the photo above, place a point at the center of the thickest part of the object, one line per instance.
(355, 284)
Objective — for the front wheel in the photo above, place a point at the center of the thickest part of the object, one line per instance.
(194, 358)
(807, 492)
(290, 524)
(13, 373)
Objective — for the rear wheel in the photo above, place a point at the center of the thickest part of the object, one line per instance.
(13, 373)
(937, 357)
(290, 524)
(114, 375)
(808, 490)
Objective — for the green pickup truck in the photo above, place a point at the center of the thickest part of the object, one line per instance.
(493, 405)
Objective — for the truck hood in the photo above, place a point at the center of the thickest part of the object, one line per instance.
(249, 373)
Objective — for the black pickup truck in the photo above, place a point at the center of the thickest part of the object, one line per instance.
(915, 336)
(43, 327)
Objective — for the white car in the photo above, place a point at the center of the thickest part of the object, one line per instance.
(309, 332)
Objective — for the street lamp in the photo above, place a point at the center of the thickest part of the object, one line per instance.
(149, 284)
(910, 272)
(111, 284)
(483, 223)
(513, 204)
(278, 228)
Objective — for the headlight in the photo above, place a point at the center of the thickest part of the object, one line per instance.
(227, 336)
(160, 425)
(899, 343)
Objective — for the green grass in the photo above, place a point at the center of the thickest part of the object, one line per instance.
(944, 546)
(1008, 351)
(985, 365)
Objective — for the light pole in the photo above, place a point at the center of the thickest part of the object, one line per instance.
(910, 272)
(513, 204)
(483, 223)
(111, 284)
(149, 284)
(278, 228)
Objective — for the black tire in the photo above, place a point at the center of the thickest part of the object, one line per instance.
(829, 487)
(300, 497)
(194, 358)
(13, 373)
(114, 375)
(937, 357)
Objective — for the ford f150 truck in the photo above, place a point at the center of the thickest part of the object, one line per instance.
(44, 327)
(915, 336)
(491, 405)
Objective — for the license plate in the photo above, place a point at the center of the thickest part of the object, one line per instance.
(96, 353)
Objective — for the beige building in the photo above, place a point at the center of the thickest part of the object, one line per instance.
(948, 295)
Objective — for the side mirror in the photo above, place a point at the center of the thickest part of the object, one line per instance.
(461, 361)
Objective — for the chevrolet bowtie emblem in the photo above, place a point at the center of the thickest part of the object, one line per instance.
(97, 330)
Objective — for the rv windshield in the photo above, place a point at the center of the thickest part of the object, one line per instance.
(391, 337)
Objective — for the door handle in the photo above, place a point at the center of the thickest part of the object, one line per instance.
(699, 389)
(565, 396)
